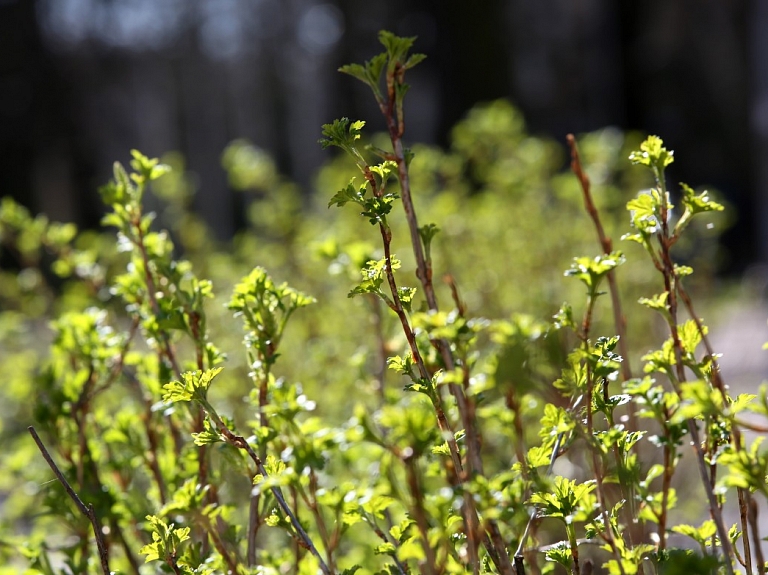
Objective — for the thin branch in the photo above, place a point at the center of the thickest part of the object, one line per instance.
(239, 441)
(388, 539)
(754, 525)
(519, 565)
(717, 382)
(442, 420)
(619, 320)
(253, 527)
(85, 510)
(396, 129)
(672, 286)
(420, 514)
(751, 426)
(666, 483)
(381, 349)
(744, 513)
(597, 459)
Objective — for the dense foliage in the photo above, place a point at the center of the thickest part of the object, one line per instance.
(366, 416)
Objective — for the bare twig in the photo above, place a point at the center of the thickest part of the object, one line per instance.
(519, 564)
(397, 306)
(744, 511)
(620, 322)
(254, 523)
(381, 350)
(754, 526)
(232, 560)
(420, 515)
(85, 510)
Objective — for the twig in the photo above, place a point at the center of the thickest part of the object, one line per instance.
(114, 526)
(751, 426)
(239, 441)
(396, 129)
(597, 459)
(494, 542)
(387, 539)
(85, 510)
(420, 515)
(581, 541)
(167, 349)
(672, 286)
(717, 382)
(744, 513)
(666, 482)
(231, 559)
(532, 516)
(754, 525)
(519, 564)
(552, 457)
(619, 320)
(397, 307)
(381, 350)
(253, 528)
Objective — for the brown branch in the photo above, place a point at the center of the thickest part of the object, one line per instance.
(230, 558)
(494, 542)
(751, 426)
(744, 513)
(387, 539)
(666, 482)
(420, 514)
(396, 129)
(124, 543)
(381, 350)
(330, 542)
(754, 525)
(619, 320)
(85, 510)
(717, 382)
(238, 441)
(253, 527)
(442, 420)
(519, 564)
(672, 286)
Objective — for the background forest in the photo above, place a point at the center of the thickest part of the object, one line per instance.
(83, 81)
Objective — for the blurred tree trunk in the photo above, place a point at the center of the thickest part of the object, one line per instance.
(40, 164)
(758, 48)
(690, 70)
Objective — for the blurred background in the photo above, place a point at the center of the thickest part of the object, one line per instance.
(84, 81)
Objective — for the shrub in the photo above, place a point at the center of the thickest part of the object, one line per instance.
(428, 439)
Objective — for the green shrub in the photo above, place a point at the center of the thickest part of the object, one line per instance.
(357, 422)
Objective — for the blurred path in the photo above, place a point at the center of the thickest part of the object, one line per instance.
(739, 334)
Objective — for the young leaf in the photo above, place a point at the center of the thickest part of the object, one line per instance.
(194, 384)
(652, 153)
(591, 271)
(350, 193)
